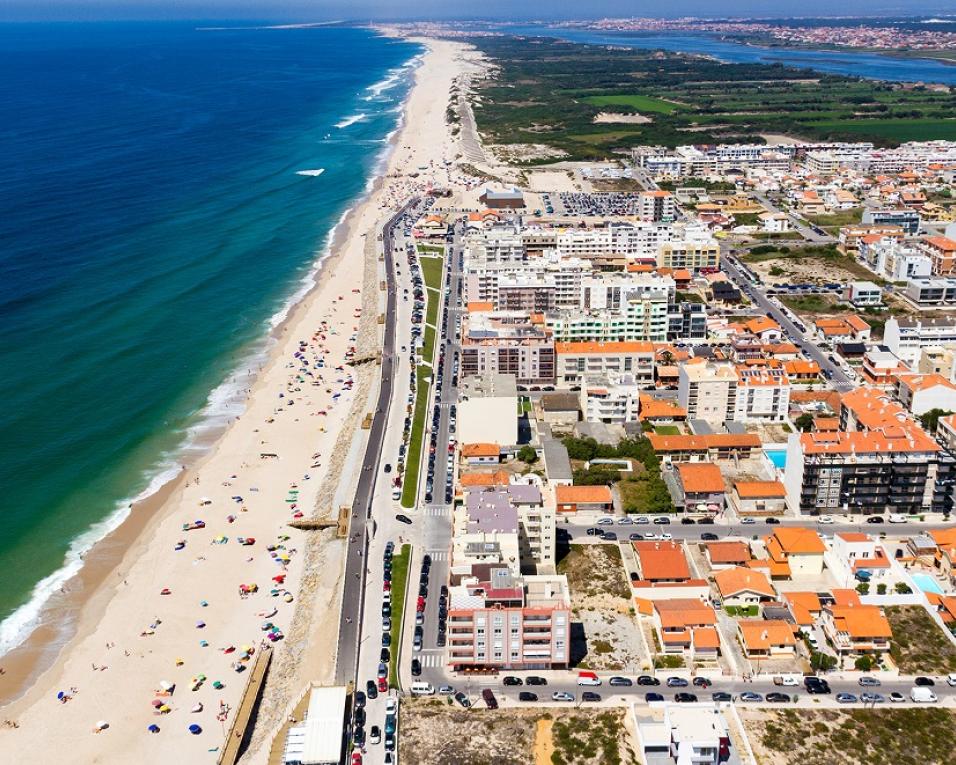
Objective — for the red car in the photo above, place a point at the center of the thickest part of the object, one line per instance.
(382, 685)
(356, 758)
(386, 586)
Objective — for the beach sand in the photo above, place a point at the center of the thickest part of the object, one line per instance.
(151, 612)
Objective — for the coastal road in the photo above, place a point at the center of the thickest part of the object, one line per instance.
(353, 591)
(837, 377)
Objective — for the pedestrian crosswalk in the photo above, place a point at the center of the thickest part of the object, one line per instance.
(438, 554)
(439, 510)
(432, 659)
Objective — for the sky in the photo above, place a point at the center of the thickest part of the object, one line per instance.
(320, 10)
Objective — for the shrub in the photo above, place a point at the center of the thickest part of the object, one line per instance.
(902, 588)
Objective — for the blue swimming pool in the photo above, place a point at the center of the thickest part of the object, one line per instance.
(927, 584)
(778, 457)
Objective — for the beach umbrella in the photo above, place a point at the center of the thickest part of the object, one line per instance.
(157, 703)
(200, 625)
(153, 729)
(203, 643)
(217, 685)
(167, 686)
(102, 725)
(195, 729)
(204, 603)
(60, 695)
(179, 662)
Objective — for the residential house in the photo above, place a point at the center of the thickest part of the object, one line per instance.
(766, 638)
(921, 393)
(796, 551)
(862, 555)
(854, 629)
(714, 446)
(726, 554)
(687, 626)
(573, 499)
(759, 497)
(741, 586)
(702, 487)
(805, 607)
(481, 454)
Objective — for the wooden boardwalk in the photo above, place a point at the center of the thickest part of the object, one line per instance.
(240, 720)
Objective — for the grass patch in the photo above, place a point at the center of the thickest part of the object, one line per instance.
(865, 736)
(667, 430)
(842, 218)
(435, 248)
(895, 130)
(635, 102)
(431, 270)
(399, 586)
(919, 645)
(808, 303)
(414, 457)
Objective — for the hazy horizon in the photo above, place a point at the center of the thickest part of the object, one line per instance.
(388, 10)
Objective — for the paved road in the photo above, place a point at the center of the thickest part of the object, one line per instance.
(809, 232)
(353, 593)
(838, 378)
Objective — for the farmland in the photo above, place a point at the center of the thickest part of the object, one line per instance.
(550, 92)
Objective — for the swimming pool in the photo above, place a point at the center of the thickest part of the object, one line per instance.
(926, 583)
(778, 457)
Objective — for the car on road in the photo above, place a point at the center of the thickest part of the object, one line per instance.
(635, 536)
(446, 690)
(416, 668)
(417, 643)
(924, 681)
(702, 682)
(590, 696)
(721, 696)
(896, 697)
(527, 696)
(489, 696)
(562, 696)
(594, 532)
(382, 670)
(641, 520)
(403, 518)
(751, 697)
(648, 680)
(511, 680)
(605, 522)
(677, 682)
(748, 521)
(662, 520)
(876, 519)
(625, 521)
(814, 684)
(868, 681)
(371, 690)
(772, 521)
(685, 698)
(389, 742)
(775, 697)
(356, 758)
(609, 536)
(688, 521)
(359, 699)
(535, 680)
(649, 697)
(622, 682)
(872, 698)
(462, 699)
(897, 518)
(709, 536)
(386, 655)
(847, 698)
(826, 519)
(375, 735)
(382, 685)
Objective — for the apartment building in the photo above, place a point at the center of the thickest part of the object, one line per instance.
(613, 292)
(708, 391)
(499, 244)
(763, 395)
(692, 254)
(906, 336)
(641, 319)
(715, 446)
(942, 254)
(514, 343)
(894, 259)
(855, 629)
(938, 360)
(880, 368)
(581, 361)
(931, 292)
(854, 238)
(879, 462)
(615, 399)
(921, 393)
(561, 276)
(486, 410)
(657, 206)
(908, 220)
(497, 619)
(687, 321)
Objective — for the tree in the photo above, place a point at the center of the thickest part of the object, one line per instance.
(820, 661)
(863, 663)
(930, 419)
(881, 589)
(902, 588)
(804, 422)
(528, 454)
(863, 588)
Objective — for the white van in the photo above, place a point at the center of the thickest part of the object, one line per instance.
(422, 689)
(951, 679)
(921, 694)
(588, 678)
(790, 680)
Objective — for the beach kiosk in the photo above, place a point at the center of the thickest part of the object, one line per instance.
(318, 739)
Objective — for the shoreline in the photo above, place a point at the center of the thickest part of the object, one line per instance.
(38, 650)
(112, 609)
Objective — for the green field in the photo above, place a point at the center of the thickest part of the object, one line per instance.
(400, 564)
(414, 457)
(635, 102)
(548, 92)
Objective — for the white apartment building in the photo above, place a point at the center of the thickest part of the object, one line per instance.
(483, 280)
(931, 292)
(905, 337)
(692, 254)
(708, 391)
(763, 395)
(656, 206)
(501, 244)
(486, 410)
(580, 362)
(613, 400)
(614, 290)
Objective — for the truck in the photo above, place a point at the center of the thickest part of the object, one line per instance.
(922, 695)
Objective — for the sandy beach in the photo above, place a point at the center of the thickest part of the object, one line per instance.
(209, 568)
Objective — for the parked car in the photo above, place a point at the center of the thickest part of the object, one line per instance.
(462, 699)
(527, 696)
(489, 696)
(562, 696)
(649, 697)
(623, 682)
(775, 697)
(721, 696)
(590, 696)
(750, 696)
(677, 682)
(685, 698)
(511, 680)
(847, 698)
(535, 680)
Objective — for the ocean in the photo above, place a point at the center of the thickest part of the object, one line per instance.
(872, 66)
(165, 191)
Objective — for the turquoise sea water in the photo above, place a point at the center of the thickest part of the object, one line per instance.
(152, 228)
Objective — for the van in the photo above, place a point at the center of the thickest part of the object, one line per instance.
(422, 689)
(588, 678)
(790, 680)
(922, 695)
(951, 679)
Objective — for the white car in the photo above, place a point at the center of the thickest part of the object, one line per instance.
(897, 518)
(825, 519)
(665, 535)
(605, 522)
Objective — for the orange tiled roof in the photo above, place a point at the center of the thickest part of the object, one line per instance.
(660, 560)
(797, 540)
(474, 478)
(700, 478)
(565, 495)
(728, 552)
(685, 612)
(803, 605)
(924, 382)
(706, 637)
(623, 346)
(732, 581)
(759, 489)
(480, 306)
(701, 443)
(941, 243)
(761, 634)
(861, 621)
(651, 408)
(480, 450)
